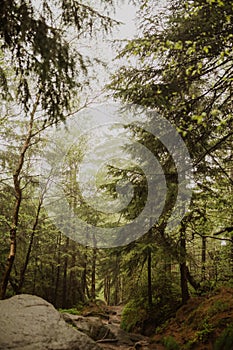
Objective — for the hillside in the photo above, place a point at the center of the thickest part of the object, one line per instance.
(204, 323)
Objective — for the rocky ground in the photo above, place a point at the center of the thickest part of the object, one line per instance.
(28, 322)
(103, 325)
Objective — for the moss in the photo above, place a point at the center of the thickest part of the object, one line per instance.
(72, 311)
(201, 336)
(217, 307)
(133, 316)
(225, 340)
(170, 343)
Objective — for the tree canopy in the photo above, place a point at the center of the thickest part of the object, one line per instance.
(35, 42)
(181, 65)
(179, 68)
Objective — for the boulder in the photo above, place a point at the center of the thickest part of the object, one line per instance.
(28, 322)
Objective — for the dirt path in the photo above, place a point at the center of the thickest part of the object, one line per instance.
(115, 313)
(142, 343)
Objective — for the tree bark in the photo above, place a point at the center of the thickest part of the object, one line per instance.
(64, 286)
(58, 272)
(93, 274)
(24, 268)
(107, 289)
(183, 267)
(191, 280)
(203, 259)
(149, 279)
(116, 280)
(84, 286)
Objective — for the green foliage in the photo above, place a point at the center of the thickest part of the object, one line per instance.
(170, 343)
(165, 301)
(225, 340)
(44, 62)
(217, 307)
(183, 69)
(133, 316)
(71, 311)
(205, 331)
(190, 84)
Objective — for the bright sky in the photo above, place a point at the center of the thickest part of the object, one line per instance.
(104, 50)
(126, 13)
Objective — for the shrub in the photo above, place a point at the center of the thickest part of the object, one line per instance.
(70, 311)
(133, 316)
(218, 307)
(225, 340)
(170, 343)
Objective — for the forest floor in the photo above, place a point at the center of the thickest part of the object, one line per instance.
(204, 323)
(114, 317)
(114, 313)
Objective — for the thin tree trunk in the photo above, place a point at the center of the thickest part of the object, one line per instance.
(203, 259)
(116, 281)
(116, 291)
(149, 278)
(58, 270)
(231, 192)
(73, 288)
(34, 279)
(10, 261)
(24, 268)
(183, 267)
(107, 289)
(93, 274)
(191, 280)
(85, 290)
(121, 289)
(18, 195)
(64, 287)
(93, 268)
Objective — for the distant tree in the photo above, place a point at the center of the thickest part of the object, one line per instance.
(40, 71)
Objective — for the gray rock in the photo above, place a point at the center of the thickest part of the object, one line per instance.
(28, 322)
(92, 326)
(96, 329)
(123, 337)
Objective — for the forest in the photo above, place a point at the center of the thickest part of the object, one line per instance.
(172, 83)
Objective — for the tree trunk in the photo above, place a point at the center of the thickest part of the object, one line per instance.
(231, 192)
(203, 259)
(24, 268)
(107, 289)
(84, 287)
(64, 286)
(93, 268)
(183, 267)
(149, 279)
(18, 195)
(73, 287)
(231, 256)
(93, 273)
(116, 280)
(58, 272)
(10, 262)
(191, 280)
